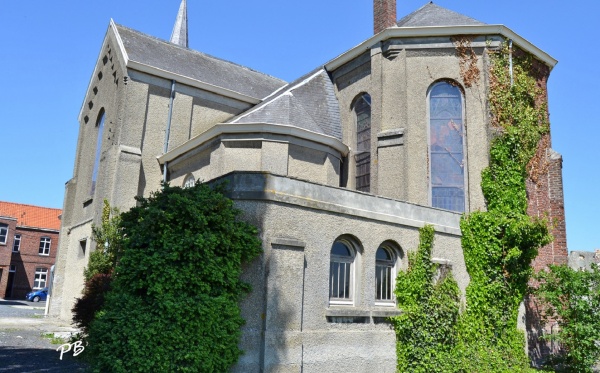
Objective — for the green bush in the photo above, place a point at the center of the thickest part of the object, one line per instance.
(173, 305)
(571, 299)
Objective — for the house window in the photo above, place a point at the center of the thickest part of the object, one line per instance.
(385, 275)
(100, 128)
(362, 157)
(446, 150)
(189, 181)
(45, 246)
(41, 274)
(17, 243)
(3, 233)
(341, 273)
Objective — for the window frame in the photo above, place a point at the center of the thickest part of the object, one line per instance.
(42, 271)
(3, 233)
(97, 155)
(16, 243)
(392, 265)
(351, 260)
(45, 243)
(362, 154)
(465, 182)
(189, 181)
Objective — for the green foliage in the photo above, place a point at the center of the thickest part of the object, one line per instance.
(426, 330)
(173, 305)
(498, 244)
(108, 237)
(98, 273)
(572, 299)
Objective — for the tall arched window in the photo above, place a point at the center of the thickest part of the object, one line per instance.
(341, 272)
(446, 147)
(100, 129)
(385, 274)
(362, 109)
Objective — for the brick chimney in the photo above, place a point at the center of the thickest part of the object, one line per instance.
(384, 15)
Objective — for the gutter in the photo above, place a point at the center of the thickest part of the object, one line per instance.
(409, 32)
(235, 128)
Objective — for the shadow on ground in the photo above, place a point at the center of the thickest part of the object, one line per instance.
(20, 360)
(16, 303)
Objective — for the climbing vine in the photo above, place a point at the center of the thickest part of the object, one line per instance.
(498, 244)
(426, 331)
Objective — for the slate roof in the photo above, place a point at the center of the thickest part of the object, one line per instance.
(434, 15)
(163, 55)
(309, 103)
(31, 216)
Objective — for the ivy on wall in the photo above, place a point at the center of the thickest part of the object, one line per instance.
(426, 331)
(498, 244)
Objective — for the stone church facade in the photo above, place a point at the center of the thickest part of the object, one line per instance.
(338, 170)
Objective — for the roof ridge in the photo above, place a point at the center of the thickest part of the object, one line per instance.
(29, 205)
(431, 14)
(195, 51)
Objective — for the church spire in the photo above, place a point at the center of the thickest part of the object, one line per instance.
(180, 30)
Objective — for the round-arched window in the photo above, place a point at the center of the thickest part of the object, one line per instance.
(189, 181)
(446, 147)
(385, 263)
(341, 272)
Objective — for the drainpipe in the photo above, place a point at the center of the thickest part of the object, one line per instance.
(168, 131)
(510, 61)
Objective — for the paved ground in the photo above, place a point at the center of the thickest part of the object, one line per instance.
(24, 346)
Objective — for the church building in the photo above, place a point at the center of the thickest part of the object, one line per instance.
(338, 170)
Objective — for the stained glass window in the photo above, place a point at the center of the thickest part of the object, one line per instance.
(446, 147)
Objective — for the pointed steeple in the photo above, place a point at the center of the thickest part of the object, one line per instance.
(179, 35)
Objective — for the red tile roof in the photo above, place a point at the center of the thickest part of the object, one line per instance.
(31, 216)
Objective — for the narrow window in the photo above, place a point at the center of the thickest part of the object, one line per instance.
(45, 246)
(446, 147)
(100, 129)
(82, 246)
(41, 274)
(362, 108)
(17, 243)
(3, 233)
(385, 275)
(341, 272)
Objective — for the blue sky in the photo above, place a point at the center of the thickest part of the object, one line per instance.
(49, 49)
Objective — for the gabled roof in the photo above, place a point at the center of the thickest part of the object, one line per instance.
(308, 103)
(32, 216)
(434, 15)
(153, 55)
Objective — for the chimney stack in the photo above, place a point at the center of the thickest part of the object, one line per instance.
(384, 15)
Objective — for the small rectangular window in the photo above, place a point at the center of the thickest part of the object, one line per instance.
(45, 246)
(82, 246)
(17, 243)
(41, 274)
(12, 268)
(3, 233)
